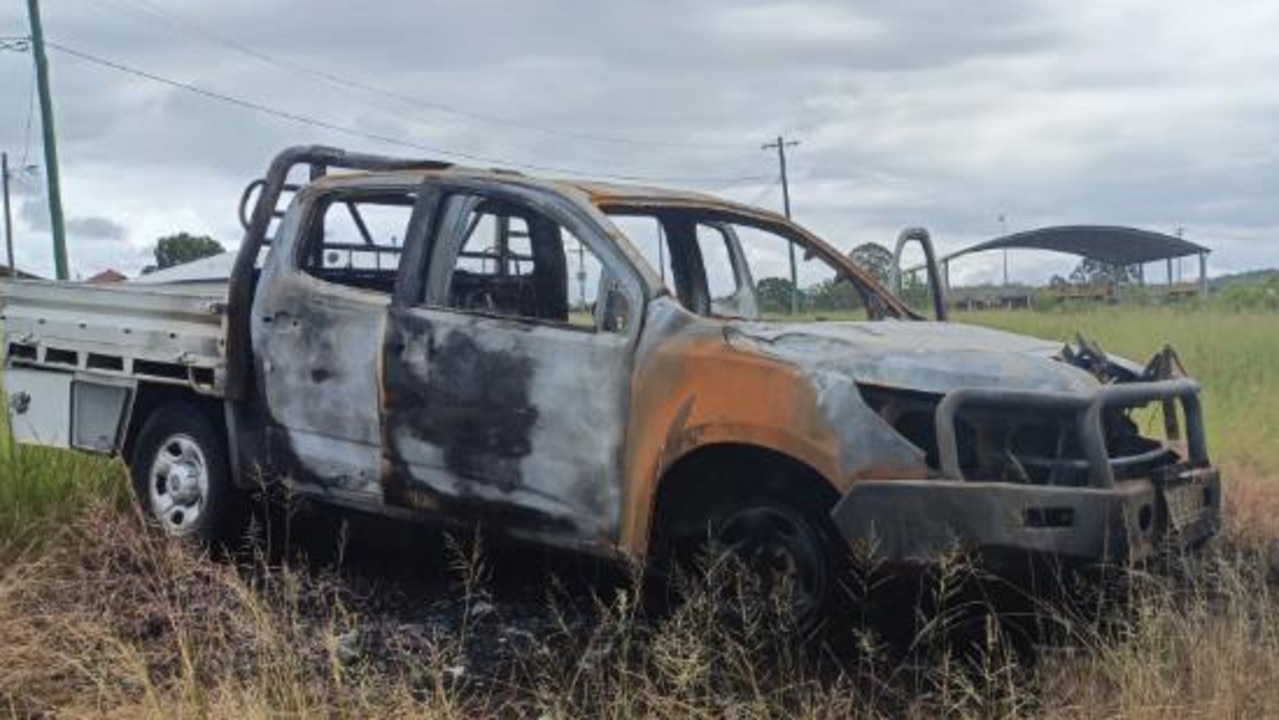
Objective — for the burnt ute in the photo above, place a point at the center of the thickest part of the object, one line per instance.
(602, 367)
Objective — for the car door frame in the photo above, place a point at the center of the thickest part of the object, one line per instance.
(440, 490)
(321, 437)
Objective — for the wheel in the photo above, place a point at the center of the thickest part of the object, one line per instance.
(790, 550)
(182, 479)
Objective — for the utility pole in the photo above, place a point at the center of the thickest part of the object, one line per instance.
(8, 218)
(781, 144)
(50, 143)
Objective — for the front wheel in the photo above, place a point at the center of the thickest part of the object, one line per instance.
(182, 479)
(791, 552)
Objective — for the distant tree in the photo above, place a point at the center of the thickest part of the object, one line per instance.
(916, 292)
(875, 259)
(1095, 272)
(1058, 281)
(773, 294)
(184, 248)
(832, 295)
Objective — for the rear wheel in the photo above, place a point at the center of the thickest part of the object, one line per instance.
(182, 479)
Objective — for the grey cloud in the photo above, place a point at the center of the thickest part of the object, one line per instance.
(95, 228)
(1151, 112)
(35, 213)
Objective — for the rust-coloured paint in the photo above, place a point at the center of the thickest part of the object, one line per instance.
(695, 390)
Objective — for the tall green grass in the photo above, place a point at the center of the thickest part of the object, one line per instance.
(43, 486)
(1234, 355)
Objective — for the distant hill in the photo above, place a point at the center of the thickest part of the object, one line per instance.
(1251, 276)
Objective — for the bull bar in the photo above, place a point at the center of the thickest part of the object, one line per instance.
(1087, 410)
(1102, 521)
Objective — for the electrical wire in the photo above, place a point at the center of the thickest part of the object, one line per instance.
(766, 191)
(379, 137)
(349, 83)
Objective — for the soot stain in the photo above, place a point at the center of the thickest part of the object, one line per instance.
(473, 403)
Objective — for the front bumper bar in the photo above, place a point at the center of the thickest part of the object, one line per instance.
(1103, 521)
(920, 521)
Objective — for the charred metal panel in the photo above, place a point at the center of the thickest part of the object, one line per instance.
(469, 402)
(869, 446)
(925, 357)
(503, 419)
(694, 388)
(317, 354)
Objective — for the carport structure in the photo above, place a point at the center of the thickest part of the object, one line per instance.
(1112, 245)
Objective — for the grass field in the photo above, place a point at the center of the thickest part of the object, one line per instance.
(1235, 356)
(98, 616)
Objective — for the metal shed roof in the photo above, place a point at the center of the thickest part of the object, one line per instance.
(1106, 243)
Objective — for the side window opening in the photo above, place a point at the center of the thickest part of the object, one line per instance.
(516, 262)
(728, 296)
(724, 267)
(648, 236)
(356, 240)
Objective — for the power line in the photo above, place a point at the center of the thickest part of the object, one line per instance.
(388, 139)
(349, 83)
(22, 44)
(765, 192)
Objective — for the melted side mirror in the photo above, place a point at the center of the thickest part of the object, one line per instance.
(935, 283)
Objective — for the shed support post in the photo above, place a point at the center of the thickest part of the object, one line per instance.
(1203, 274)
(1169, 261)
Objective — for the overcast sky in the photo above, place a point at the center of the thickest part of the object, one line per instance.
(1153, 113)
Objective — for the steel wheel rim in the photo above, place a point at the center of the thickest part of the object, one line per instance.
(781, 550)
(178, 484)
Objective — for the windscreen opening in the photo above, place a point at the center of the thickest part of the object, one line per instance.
(721, 265)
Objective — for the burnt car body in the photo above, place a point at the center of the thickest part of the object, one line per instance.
(406, 370)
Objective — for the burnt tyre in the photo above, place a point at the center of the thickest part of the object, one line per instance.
(790, 552)
(182, 479)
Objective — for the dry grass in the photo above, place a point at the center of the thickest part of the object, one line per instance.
(108, 618)
(101, 617)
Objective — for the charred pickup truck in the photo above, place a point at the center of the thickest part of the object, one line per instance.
(613, 369)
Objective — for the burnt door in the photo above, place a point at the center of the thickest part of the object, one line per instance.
(507, 379)
(318, 323)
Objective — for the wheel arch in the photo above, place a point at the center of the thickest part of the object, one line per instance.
(710, 475)
(150, 397)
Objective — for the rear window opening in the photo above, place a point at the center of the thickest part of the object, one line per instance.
(356, 239)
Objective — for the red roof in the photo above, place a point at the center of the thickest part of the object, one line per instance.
(107, 276)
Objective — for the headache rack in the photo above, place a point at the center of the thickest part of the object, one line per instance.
(1085, 411)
